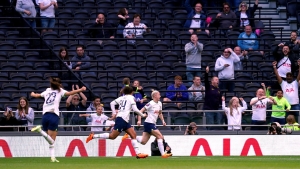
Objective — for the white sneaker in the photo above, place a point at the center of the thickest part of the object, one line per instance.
(53, 160)
(36, 129)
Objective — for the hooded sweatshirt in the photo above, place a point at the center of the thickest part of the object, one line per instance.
(226, 72)
(193, 54)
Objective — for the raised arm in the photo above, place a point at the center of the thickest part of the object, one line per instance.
(244, 104)
(206, 82)
(298, 76)
(279, 79)
(188, 6)
(83, 97)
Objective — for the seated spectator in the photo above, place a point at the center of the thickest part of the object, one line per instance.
(248, 40)
(27, 9)
(81, 61)
(8, 119)
(64, 56)
(225, 20)
(98, 119)
(242, 55)
(47, 12)
(225, 68)
(92, 108)
(24, 113)
(244, 13)
(134, 29)
(280, 106)
(74, 104)
(234, 112)
(101, 29)
(197, 95)
(155, 150)
(139, 95)
(195, 19)
(293, 44)
(291, 123)
(191, 129)
(123, 19)
(181, 95)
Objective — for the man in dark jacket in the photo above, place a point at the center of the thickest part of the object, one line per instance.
(294, 44)
(155, 150)
(225, 20)
(8, 120)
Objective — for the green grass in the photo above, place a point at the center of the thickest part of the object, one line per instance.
(266, 162)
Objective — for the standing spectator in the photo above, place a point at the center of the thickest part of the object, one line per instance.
(155, 150)
(290, 89)
(24, 113)
(8, 119)
(191, 129)
(244, 13)
(92, 108)
(81, 61)
(234, 112)
(212, 100)
(123, 16)
(242, 55)
(27, 10)
(197, 85)
(225, 20)
(47, 12)
(98, 119)
(134, 29)
(195, 19)
(259, 109)
(181, 95)
(193, 52)
(293, 44)
(291, 123)
(280, 106)
(139, 95)
(285, 60)
(101, 29)
(225, 68)
(248, 40)
(73, 104)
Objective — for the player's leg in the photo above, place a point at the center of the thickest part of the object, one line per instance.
(160, 143)
(45, 123)
(130, 131)
(53, 135)
(144, 138)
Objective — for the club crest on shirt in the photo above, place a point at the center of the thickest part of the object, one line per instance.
(289, 90)
(148, 104)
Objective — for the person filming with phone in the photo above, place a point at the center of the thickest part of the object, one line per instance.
(191, 129)
(225, 68)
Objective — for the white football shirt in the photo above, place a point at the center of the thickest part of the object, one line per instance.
(50, 11)
(259, 109)
(98, 121)
(125, 106)
(151, 107)
(285, 67)
(196, 22)
(52, 100)
(290, 91)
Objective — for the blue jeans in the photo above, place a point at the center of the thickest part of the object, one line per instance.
(47, 22)
(257, 122)
(278, 120)
(190, 75)
(212, 117)
(31, 22)
(296, 114)
(229, 85)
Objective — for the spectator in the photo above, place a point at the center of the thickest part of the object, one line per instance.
(98, 119)
(242, 55)
(285, 60)
(291, 123)
(244, 13)
(191, 129)
(139, 95)
(101, 29)
(193, 52)
(212, 100)
(181, 95)
(259, 108)
(234, 112)
(64, 56)
(27, 9)
(123, 16)
(294, 44)
(225, 68)
(47, 12)
(81, 61)
(155, 150)
(290, 89)
(92, 108)
(73, 104)
(195, 19)
(24, 113)
(126, 82)
(248, 40)
(197, 85)
(225, 20)
(134, 29)
(8, 119)
(234, 4)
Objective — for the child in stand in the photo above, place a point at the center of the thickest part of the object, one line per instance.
(234, 112)
(291, 123)
(98, 119)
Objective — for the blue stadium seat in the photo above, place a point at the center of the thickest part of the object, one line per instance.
(6, 45)
(27, 86)
(89, 76)
(81, 14)
(153, 57)
(129, 66)
(121, 3)
(109, 45)
(32, 56)
(265, 67)
(99, 87)
(156, 76)
(8, 66)
(42, 86)
(48, 75)
(22, 45)
(104, 3)
(120, 76)
(114, 87)
(103, 56)
(5, 97)
(35, 76)
(119, 56)
(10, 86)
(124, 45)
(15, 56)
(18, 76)
(252, 86)
(88, 3)
(25, 66)
(170, 56)
(106, 77)
(136, 56)
(139, 76)
(41, 66)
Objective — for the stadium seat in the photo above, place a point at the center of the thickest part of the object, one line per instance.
(107, 98)
(181, 120)
(153, 57)
(129, 66)
(42, 86)
(265, 67)
(17, 56)
(5, 97)
(292, 8)
(48, 75)
(6, 45)
(35, 76)
(120, 76)
(103, 56)
(106, 77)
(74, 25)
(121, 3)
(16, 96)
(3, 55)
(109, 45)
(17, 76)
(22, 45)
(165, 14)
(25, 66)
(69, 4)
(139, 76)
(156, 76)
(255, 56)
(119, 56)
(170, 56)
(124, 45)
(81, 14)
(32, 56)
(160, 46)
(104, 3)
(41, 66)
(88, 3)
(99, 87)
(89, 76)
(10, 86)
(136, 56)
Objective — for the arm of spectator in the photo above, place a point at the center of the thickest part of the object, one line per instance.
(191, 95)
(30, 115)
(224, 106)
(244, 105)
(287, 105)
(240, 42)
(256, 45)
(207, 85)
(185, 95)
(85, 64)
(20, 9)
(187, 5)
(200, 46)
(126, 31)
(74, 62)
(170, 95)
(219, 66)
(68, 101)
(189, 47)
(83, 97)
(234, 56)
(84, 115)
(264, 88)
(18, 117)
(298, 76)
(44, 7)
(279, 79)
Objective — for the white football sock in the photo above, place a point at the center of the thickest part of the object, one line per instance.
(135, 146)
(139, 139)
(47, 137)
(104, 135)
(52, 151)
(160, 146)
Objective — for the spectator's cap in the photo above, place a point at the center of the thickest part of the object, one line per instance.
(289, 73)
(178, 77)
(243, 3)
